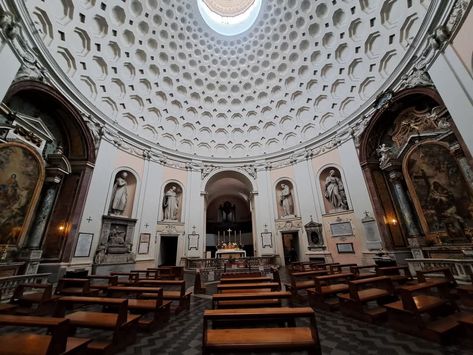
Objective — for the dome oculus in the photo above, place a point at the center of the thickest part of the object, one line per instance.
(229, 17)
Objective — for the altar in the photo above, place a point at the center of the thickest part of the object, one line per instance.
(230, 254)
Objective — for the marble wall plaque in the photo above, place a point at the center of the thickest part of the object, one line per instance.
(339, 229)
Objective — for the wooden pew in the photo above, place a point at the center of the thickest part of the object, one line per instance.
(254, 279)
(303, 280)
(424, 315)
(34, 299)
(398, 274)
(326, 288)
(248, 287)
(173, 290)
(74, 287)
(465, 292)
(362, 292)
(249, 299)
(169, 272)
(25, 343)
(363, 272)
(341, 268)
(102, 282)
(123, 325)
(246, 340)
(125, 278)
(159, 309)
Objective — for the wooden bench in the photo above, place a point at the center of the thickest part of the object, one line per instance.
(159, 309)
(123, 325)
(465, 292)
(173, 290)
(169, 272)
(326, 288)
(74, 287)
(248, 287)
(341, 268)
(424, 315)
(398, 274)
(33, 299)
(125, 278)
(293, 338)
(363, 272)
(254, 279)
(249, 299)
(25, 343)
(303, 280)
(102, 282)
(444, 279)
(358, 303)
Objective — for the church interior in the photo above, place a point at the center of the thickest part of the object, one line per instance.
(223, 176)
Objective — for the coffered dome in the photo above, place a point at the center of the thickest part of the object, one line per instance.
(155, 68)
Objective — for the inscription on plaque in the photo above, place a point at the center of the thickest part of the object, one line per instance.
(339, 229)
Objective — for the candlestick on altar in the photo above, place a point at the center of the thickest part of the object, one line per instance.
(218, 237)
(240, 236)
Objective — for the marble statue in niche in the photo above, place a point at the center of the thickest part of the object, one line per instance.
(171, 204)
(286, 201)
(335, 191)
(119, 194)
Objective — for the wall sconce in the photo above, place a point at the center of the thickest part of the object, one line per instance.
(390, 220)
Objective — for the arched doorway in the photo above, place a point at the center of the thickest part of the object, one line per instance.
(229, 215)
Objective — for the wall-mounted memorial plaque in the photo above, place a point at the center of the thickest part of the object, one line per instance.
(193, 241)
(266, 240)
(339, 229)
(84, 243)
(143, 246)
(345, 248)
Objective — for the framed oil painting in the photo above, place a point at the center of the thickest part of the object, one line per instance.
(21, 180)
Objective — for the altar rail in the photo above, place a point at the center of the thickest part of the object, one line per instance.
(249, 262)
(9, 283)
(461, 268)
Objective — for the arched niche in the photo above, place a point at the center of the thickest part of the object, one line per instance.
(22, 175)
(171, 207)
(333, 189)
(389, 147)
(285, 199)
(122, 197)
(71, 134)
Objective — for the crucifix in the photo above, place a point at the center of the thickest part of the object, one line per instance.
(229, 235)
(146, 225)
(89, 219)
(193, 229)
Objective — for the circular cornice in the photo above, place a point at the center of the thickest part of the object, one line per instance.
(300, 80)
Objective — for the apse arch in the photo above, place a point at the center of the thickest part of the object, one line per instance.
(229, 209)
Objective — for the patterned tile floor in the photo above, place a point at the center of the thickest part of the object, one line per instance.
(338, 336)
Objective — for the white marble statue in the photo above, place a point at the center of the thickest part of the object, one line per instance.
(335, 191)
(286, 200)
(119, 195)
(170, 204)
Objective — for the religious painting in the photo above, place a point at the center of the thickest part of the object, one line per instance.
(21, 179)
(442, 197)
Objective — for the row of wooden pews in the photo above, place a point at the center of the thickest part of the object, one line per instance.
(118, 310)
(424, 307)
(249, 315)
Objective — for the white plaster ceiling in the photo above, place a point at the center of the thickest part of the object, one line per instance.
(155, 68)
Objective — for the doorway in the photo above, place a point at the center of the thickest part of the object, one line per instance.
(168, 250)
(290, 242)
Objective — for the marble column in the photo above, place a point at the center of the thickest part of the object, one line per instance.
(403, 202)
(465, 167)
(45, 208)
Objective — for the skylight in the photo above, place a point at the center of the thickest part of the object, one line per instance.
(230, 25)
